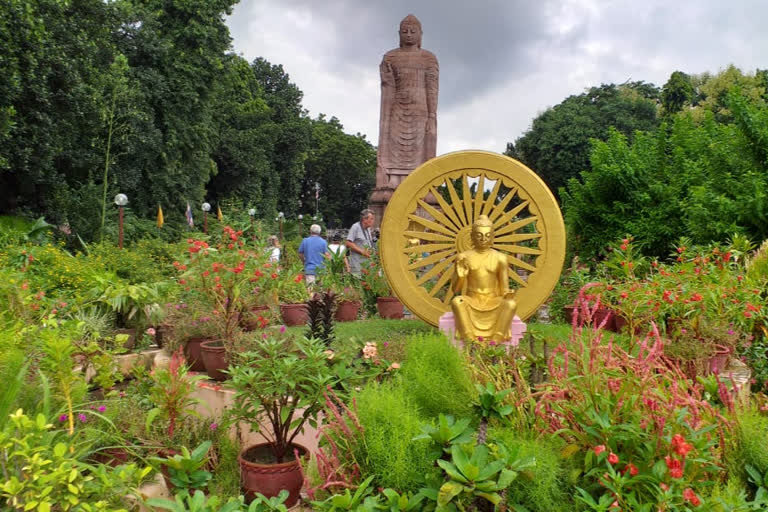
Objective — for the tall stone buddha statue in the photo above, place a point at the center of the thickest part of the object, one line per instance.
(408, 119)
(484, 305)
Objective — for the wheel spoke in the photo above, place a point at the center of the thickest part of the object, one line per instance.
(501, 225)
(456, 202)
(434, 226)
(518, 249)
(516, 278)
(517, 237)
(448, 296)
(437, 269)
(467, 199)
(428, 248)
(521, 264)
(426, 235)
(514, 226)
(479, 195)
(446, 208)
(437, 215)
(441, 283)
(499, 208)
(429, 260)
(488, 205)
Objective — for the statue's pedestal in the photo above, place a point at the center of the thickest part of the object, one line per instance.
(447, 325)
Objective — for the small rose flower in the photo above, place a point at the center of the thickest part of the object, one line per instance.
(282, 329)
(214, 426)
(151, 331)
(613, 458)
(599, 449)
(393, 366)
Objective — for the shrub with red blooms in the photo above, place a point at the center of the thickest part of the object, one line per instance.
(222, 278)
(645, 432)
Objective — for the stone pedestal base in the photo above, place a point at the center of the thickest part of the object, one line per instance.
(447, 325)
(378, 203)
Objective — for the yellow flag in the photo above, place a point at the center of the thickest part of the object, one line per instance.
(218, 214)
(159, 216)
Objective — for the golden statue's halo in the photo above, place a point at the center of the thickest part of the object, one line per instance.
(428, 222)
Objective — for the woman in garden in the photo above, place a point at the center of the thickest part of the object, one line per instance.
(273, 247)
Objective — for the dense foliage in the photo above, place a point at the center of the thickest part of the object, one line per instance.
(146, 98)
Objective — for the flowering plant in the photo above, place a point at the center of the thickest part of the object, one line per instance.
(291, 287)
(221, 277)
(373, 279)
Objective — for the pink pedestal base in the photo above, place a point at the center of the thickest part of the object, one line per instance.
(447, 325)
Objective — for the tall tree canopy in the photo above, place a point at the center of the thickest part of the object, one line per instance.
(557, 145)
(145, 97)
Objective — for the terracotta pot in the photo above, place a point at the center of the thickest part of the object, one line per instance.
(719, 360)
(619, 322)
(347, 311)
(162, 333)
(294, 314)
(193, 354)
(389, 307)
(604, 315)
(112, 456)
(215, 359)
(258, 475)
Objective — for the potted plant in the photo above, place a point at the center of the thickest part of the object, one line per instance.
(222, 277)
(279, 389)
(193, 325)
(375, 283)
(185, 470)
(292, 294)
(344, 285)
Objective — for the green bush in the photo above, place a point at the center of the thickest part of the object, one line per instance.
(750, 435)
(436, 377)
(391, 420)
(546, 488)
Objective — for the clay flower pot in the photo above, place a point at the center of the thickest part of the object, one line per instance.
(389, 307)
(193, 354)
(347, 311)
(294, 314)
(249, 322)
(215, 359)
(719, 360)
(257, 474)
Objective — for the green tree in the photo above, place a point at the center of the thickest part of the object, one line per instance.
(676, 93)
(290, 129)
(557, 145)
(345, 168)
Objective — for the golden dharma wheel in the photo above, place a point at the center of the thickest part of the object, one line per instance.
(429, 218)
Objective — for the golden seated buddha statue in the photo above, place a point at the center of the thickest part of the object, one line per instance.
(484, 305)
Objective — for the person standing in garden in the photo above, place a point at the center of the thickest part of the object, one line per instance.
(360, 241)
(312, 253)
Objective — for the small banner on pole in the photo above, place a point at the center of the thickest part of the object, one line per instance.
(160, 219)
(219, 214)
(189, 217)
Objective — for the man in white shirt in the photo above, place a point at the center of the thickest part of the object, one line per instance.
(360, 241)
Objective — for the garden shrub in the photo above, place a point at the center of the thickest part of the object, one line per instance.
(391, 420)
(545, 488)
(436, 377)
(751, 435)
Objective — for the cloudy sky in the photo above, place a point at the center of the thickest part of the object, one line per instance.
(501, 61)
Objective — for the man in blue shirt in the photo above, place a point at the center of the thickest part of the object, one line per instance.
(311, 252)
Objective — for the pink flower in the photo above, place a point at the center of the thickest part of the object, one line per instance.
(369, 350)
(63, 418)
(102, 408)
(214, 426)
(282, 329)
(613, 458)
(151, 331)
(599, 449)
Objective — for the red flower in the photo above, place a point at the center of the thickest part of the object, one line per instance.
(599, 449)
(696, 297)
(632, 469)
(675, 467)
(613, 458)
(299, 278)
(689, 495)
(273, 276)
(679, 446)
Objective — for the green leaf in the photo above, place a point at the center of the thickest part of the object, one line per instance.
(448, 491)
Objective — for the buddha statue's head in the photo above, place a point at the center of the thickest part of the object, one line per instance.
(410, 32)
(482, 233)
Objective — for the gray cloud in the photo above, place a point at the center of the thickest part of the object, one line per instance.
(501, 62)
